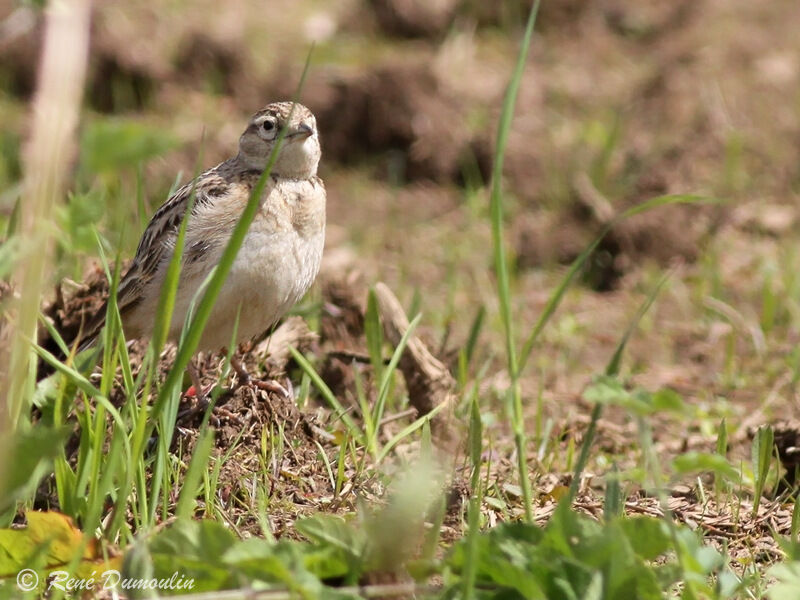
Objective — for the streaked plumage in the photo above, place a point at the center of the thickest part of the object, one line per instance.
(282, 250)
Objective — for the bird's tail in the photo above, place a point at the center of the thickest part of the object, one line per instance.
(83, 339)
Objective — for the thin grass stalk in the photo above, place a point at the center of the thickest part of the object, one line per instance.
(166, 307)
(47, 158)
(388, 372)
(408, 430)
(612, 369)
(328, 395)
(501, 264)
(653, 467)
(475, 443)
(576, 266)
(144, 512)
(197, 467)
(579, 262)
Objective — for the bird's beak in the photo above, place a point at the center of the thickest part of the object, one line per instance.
(302, 132)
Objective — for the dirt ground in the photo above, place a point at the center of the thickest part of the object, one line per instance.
(621, 101)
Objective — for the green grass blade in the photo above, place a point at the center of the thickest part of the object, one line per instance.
(761, 453)
(374, 335)
(612, 369)
(169, 289)
(196, 469)
(475, 444)
(327, 394)
(386, 380)
(496, 200)
(474, 334)
(580, 261)
(501, 263)
(408, 430)
(74, 376)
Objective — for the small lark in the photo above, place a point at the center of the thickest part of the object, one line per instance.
(280, 255)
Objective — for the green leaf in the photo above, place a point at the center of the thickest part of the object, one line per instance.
(374, 334)
(787, 586)
(693, 462)
(332, 530)
(201, 540)
(190, 548)
(475, 434)
(29, 456)
(649, 537)
(668, 400)
(722, 438)
(613, 502)
(761, 453)
(609, 390)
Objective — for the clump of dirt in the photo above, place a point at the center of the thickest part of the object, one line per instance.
(115, 87)
(410, 18)
(551, 16)
(74, 304)
(399, 111)
(20, 47)
(208, 64)
(664, 235)
(646, 21)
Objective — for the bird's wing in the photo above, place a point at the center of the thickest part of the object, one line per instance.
(157, 242)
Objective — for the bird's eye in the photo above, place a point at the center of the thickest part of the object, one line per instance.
(268, 125)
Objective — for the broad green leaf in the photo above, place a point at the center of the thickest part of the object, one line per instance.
(669, 401)
(190, 548)
(29, 455)
(50, 541)
(693, 462)
(607, 392)
(332, 530)
(787, 586)
(649, 537)
(202, 540)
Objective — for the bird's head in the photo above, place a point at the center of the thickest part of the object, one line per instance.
(299, 153)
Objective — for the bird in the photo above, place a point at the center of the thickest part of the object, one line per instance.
(279, 258)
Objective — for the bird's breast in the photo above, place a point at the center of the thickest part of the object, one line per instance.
(280, 256)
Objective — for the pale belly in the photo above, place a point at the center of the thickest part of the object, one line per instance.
(271, 273)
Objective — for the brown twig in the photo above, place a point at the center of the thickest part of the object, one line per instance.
(429, 382)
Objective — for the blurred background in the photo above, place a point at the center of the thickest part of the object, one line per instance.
(621, 101)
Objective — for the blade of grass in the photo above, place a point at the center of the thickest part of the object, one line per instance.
(612, 369)
(374, 335)
(408, 430)
(475, 445)
(54, 120)
(761, 454)
(501, 263)
(327, 394)
(166, 305)
(474, 333)
(386, 379)
(580, 261)
(197, 467)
